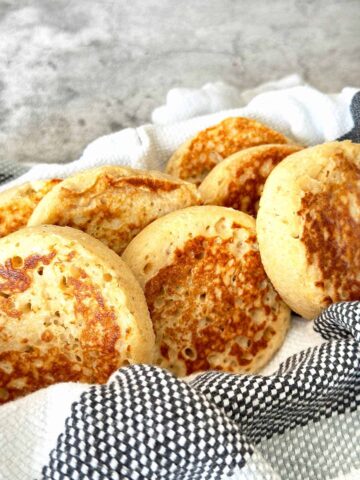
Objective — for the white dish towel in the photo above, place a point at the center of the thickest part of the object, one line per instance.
(297, 110)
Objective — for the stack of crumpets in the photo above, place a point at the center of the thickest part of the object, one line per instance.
(244, 226)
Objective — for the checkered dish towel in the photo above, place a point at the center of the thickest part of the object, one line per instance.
(299, 419)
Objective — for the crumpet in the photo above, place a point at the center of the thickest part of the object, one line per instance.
(210, 301)
(196, 157)
(70, 310)
(18, 203)
(238, 181)
(113, 203)
(308, 227)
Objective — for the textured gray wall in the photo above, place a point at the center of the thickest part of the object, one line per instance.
(73, 70)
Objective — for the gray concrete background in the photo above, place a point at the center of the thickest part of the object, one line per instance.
(73, 70)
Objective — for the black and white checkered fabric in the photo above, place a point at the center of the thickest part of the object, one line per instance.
(354, 134)
(10, 170)
(147, 424)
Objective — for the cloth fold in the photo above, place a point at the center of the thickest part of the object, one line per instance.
(301, 112)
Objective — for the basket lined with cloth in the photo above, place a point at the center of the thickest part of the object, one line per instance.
(298, 419)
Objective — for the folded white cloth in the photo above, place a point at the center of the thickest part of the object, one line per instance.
(299, 111)
(29, 427)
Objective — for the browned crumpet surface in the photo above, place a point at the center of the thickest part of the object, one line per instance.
(18, 203)
(114, 204)
(89, 356)
(331, 229)
(197, 157)
(308, 227)
(210, 301)
(151, 184)
(212, 309)
(238, 181)
(70, 310)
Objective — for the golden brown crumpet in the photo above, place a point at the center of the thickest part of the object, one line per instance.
(308, 227)
(196, 157)
(113, 204)
(70, 310)
(18, 203)
(238, 181)
(211, 304)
